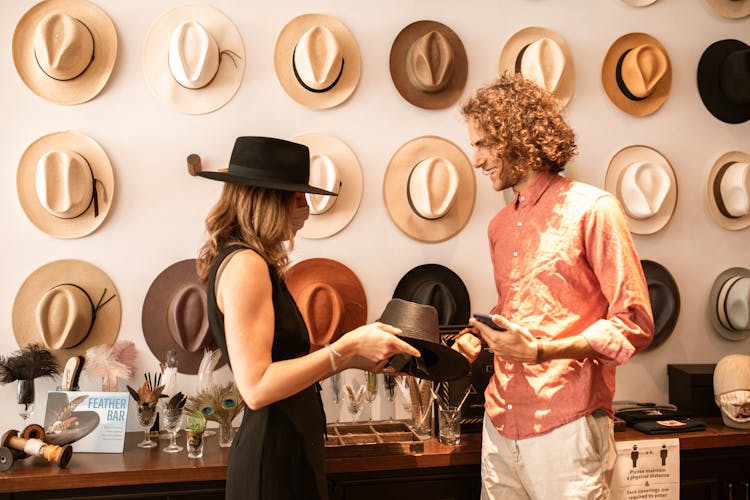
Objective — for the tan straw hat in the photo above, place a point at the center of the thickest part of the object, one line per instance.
(333, 167)
(729, 304)
(67, 306)
(639, 3)
(644, 182)
(194, 59)
(317, 61)
(732, 9)
(65, 184)
(64, 50)
(728, 190)
(429, 189)
(428, 65)
(541, 55)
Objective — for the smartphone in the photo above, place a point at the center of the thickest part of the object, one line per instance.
(487, 320)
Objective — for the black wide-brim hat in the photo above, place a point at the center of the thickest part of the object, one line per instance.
(439, 287)
(419, 328)
(270, 163)
(709, 81)
(664, 296)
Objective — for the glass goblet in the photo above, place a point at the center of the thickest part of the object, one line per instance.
(336, 391)
(371, 380)
(172, 420)
(146, 418)
(355, 400)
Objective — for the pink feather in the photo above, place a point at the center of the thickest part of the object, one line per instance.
(116, 361)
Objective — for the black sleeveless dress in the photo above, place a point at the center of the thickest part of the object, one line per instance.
(278, 452)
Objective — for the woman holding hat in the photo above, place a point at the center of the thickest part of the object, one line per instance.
(278, 450)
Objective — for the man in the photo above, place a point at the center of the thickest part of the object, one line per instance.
(572, 299)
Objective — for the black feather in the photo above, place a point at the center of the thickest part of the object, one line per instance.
(30, 362)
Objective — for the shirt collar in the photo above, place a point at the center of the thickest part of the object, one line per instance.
(532, 193)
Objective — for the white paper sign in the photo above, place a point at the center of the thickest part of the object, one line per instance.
(647, 469)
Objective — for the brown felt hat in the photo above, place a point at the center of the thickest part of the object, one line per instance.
(664, 296)
(439, 287)
(731, 9)
(428, 65)
(728, 190)
(175, 316)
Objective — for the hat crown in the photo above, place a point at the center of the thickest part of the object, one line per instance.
(63, 46)
(644, 187)
(734, 303)
(542, 62)
(64, 316)
(324, 175)
(734, 187)
(437, 295)
(416, 321)
(429, 62)
(323, 309)
(64, 183)
(432, 187)
(734, 76)
(643, 67)
(318, 59)
(270, 159)
(193, 55)
(187, 319)
(732, 373)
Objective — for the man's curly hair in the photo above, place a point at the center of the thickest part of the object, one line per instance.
(523, 124)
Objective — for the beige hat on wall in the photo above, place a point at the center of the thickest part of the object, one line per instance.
(429, 189)
(333, 167)
(64, 50)
(67, 306)
(728, 190)
(194, 59)
(732, 9)
(543, 56)
(65, 184)
(637, 74)
(317, 61)
(644, 182)
(729, 304)
(639, 3)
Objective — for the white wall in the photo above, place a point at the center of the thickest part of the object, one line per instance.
(158, 211)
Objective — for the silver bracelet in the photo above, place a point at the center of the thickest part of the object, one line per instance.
(331, 353)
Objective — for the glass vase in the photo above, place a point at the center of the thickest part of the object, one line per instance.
(225, 434)
(25, 398)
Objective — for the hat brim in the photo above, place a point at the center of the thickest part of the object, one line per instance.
(619, 163)
(88, 84)
(87, 276)
(522, 38)
(409, 284)
(713, 304)
(441, 362)
(709, 86)
(731, 223)
(659, 93)
(284, 61)
(658, 275)
(84, 224)
(349, 196)
(154, 316)
(730, 9)
(399, 73)
(639, 3)
(264, 183)
(396, 180)
(231, 69)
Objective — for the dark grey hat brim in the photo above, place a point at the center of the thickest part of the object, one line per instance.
(264, 183)
(441, 363)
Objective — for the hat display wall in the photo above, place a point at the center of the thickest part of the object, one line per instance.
(732, 9)
(330, 297)
(728, 190)
(429, 189)
(67, 306)
(64, 50)
(428, 65)
(317, 61)
(664, 296)
(194, 59)
(439, 287)
(333, 167)
(729, 304)
(65, 184)
(644, 182)
(175, 316)
(732, 390)
(724, 79)
(543, 56)
(419, 327)
(637, 74)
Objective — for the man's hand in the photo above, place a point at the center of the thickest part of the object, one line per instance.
(468, 344)
(516, 343)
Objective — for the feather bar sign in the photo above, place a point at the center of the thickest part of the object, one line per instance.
(92, 421)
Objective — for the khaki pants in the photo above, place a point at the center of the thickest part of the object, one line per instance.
(574, 461)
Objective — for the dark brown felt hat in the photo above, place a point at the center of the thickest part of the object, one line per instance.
(665, 300)
(439, 287)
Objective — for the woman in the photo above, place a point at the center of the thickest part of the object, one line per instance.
(278, 451)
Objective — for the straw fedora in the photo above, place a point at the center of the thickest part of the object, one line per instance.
(637, 74)
(419, 327)
(644, 182)
(732, 9)
(65, 184)
(330, 297)
(194, 59)
(439, 287)
(64, 50)
(428, 65)
(543, 56)
(664, 296)
(729, 304)
(175, 316)
(732, 390)
(333, 167)
(429, 189)
(317, 61)
(724, 80)
(728, 190)
(67, 306)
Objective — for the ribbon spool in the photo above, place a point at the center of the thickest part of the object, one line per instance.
(21, 447)
(6, 458)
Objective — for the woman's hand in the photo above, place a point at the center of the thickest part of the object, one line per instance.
(515, 343)
(468, 344)
(371, 346)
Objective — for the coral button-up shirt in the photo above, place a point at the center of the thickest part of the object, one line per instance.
(564, 265)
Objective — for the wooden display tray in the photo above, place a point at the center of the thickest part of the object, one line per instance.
(371, 438)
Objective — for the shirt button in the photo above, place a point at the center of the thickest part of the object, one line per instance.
(515, 254)
(522, 198)
(510, 406)
(519, 223)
